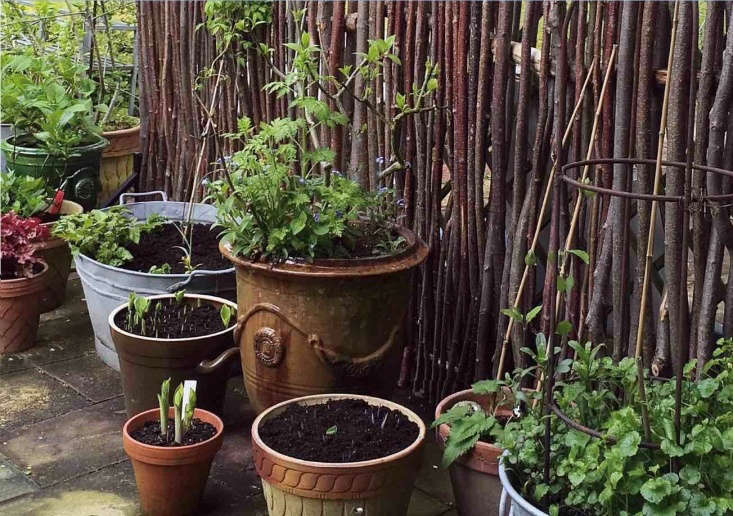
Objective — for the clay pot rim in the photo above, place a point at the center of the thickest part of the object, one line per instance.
(444, 429)
(372, 400)
(174, 449)
(182, 276)
(121, 132)
(53, 241)
(18, 281)
(205, 297)
(415, 254)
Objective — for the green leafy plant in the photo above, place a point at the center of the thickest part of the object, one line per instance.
(160, 269)
(164, 405)
(183, 418)
(225, 312)
(614, 474)
(25, 195)
(104, 235)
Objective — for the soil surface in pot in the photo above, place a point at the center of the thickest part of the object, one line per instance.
(149, 433)
(159, 247)
(171, 321)
(346, 430)
(9, 269)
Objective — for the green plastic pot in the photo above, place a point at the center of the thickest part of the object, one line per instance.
(82, 170)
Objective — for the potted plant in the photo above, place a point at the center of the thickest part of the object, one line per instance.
(323, 267)
(172, 336)
(622, 468)
(171, 450)
(22, 280)
(336, 454)
(133, 248)
(28, 196)
(122, 131)
(467, 425)
(48, 99)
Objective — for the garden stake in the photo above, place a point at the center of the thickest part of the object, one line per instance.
(652, 225)
(541, 215)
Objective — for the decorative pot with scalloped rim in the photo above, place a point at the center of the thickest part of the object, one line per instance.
(378, 487)
(328, 326)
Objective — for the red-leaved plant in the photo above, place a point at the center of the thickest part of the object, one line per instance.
(18, 237)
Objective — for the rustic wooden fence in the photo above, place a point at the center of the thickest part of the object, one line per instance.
(523, 89)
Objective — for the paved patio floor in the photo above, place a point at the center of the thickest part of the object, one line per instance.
(61, 412)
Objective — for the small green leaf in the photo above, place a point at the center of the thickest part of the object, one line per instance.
(332, 430)
(563, 328)
(225, 312)
(580, 254)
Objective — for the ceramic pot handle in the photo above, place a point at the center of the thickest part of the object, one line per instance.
(355, 367)
(125, 195)
(209, 366)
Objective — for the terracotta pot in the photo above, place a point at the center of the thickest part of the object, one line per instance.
(20, 311)
(117, 159)
(295, 487)
(474, 476)
(146, 361)
(171, 480)
(331, 326)
(56, 253)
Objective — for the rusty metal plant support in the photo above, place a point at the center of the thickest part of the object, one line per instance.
(687, 200)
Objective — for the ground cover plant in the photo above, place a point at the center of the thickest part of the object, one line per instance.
(18, 239)
(173, 317)
(23, 194)
(614, 475)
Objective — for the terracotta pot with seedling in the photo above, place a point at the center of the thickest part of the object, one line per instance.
(179, 336)
(171, 450)
(337, 454)
(22, 281)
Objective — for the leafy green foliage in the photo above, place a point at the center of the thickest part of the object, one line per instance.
(23, 194)
(225, 312)
(183, 418)
(103, 235)
(268, 213)
(164, 405)
(616, 475)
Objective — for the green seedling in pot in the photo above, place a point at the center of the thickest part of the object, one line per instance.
(164, 404)
(225, 312)
(160, 269)
(183, 414)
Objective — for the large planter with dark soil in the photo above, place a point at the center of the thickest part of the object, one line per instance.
(81, 170)
(146, 361)
(376, 487)
(330, 326)
(106, 287)
(56, 253)
(20, 311)
(474, 476)
(171, 479)
(117, 159)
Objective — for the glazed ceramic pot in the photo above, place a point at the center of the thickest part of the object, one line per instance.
(171, 479)
(146, 361)
(378, 487)
(20, 311)
(474, 476)
(56, 253)
(329, 326)
(117, 159)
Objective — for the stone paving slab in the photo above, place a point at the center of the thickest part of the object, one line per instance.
(31, 396)
(13, 482)
(89, 376)
(70, 445)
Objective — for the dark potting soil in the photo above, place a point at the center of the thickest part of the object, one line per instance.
(171, 321)
(10, 270)
(347, 430)
(149, 433)
(159, 247)
(46, 217)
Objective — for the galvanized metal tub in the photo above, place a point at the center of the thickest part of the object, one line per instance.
(106, 287)
(512, 503)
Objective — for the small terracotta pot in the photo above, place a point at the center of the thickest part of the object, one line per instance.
(474, 476)
(56, 253)
(146, 361)
(20, 311)
(171, 480)
(296, 487)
